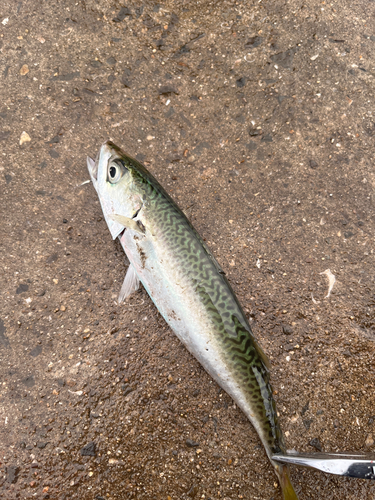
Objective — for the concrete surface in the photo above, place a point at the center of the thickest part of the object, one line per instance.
(257, 117)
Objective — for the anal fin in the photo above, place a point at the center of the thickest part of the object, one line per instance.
(130, 284)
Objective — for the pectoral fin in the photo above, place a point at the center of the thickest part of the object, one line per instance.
(128, 223)
(130, 285)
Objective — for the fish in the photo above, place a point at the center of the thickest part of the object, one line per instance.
(190, 290)
(192, 293)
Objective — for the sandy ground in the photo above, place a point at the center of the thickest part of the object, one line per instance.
(257, 117)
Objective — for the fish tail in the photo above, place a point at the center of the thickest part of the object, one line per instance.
(285, 483)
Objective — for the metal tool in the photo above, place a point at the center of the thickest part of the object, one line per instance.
(343, 464)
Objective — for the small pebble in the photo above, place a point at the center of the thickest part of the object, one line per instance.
(369, 440)
(24, 138)
(24, 70)
(191, 444)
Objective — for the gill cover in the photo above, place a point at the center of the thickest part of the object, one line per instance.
(112, 181)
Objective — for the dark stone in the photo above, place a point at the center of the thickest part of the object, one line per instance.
(289, 348)
(170, 112)
(253, 132)
(3, 338)
(253, 42)
(125, 77)
(251, 146)
(52, 258)
(313, 164)
(193, 491)
(167, 89)
(29, 381)
(126, 389)
(54, 140)
(140, 157)
(124, 11)
(53, 153)
(96, 64)
(41, 444)
(174, 20)
(36, 351)
(284, 59)
(12, 473)
(240, 119)
(267, 138)
(315, 443)
(111, 61)
(280, 98)
(186, 120)
(22, 288)
(89, 450)
(8, 178)
(307, 423)
(4, 135)
(241, 82)
(139, 11)
(287, 330)
(191, 444)
(348, 234)
(305, 408)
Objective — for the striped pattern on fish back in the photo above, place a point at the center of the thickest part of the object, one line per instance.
(233, 332)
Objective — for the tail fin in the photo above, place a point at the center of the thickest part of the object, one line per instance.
(285, 483)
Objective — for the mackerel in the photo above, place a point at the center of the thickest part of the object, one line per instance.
(192, 293)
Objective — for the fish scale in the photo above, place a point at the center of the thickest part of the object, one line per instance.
(190, 290)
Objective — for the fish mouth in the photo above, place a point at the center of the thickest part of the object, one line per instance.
(92, 166)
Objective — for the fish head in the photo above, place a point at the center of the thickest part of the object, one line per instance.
(115, 180)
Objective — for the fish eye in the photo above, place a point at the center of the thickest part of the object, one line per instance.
(115, 171)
